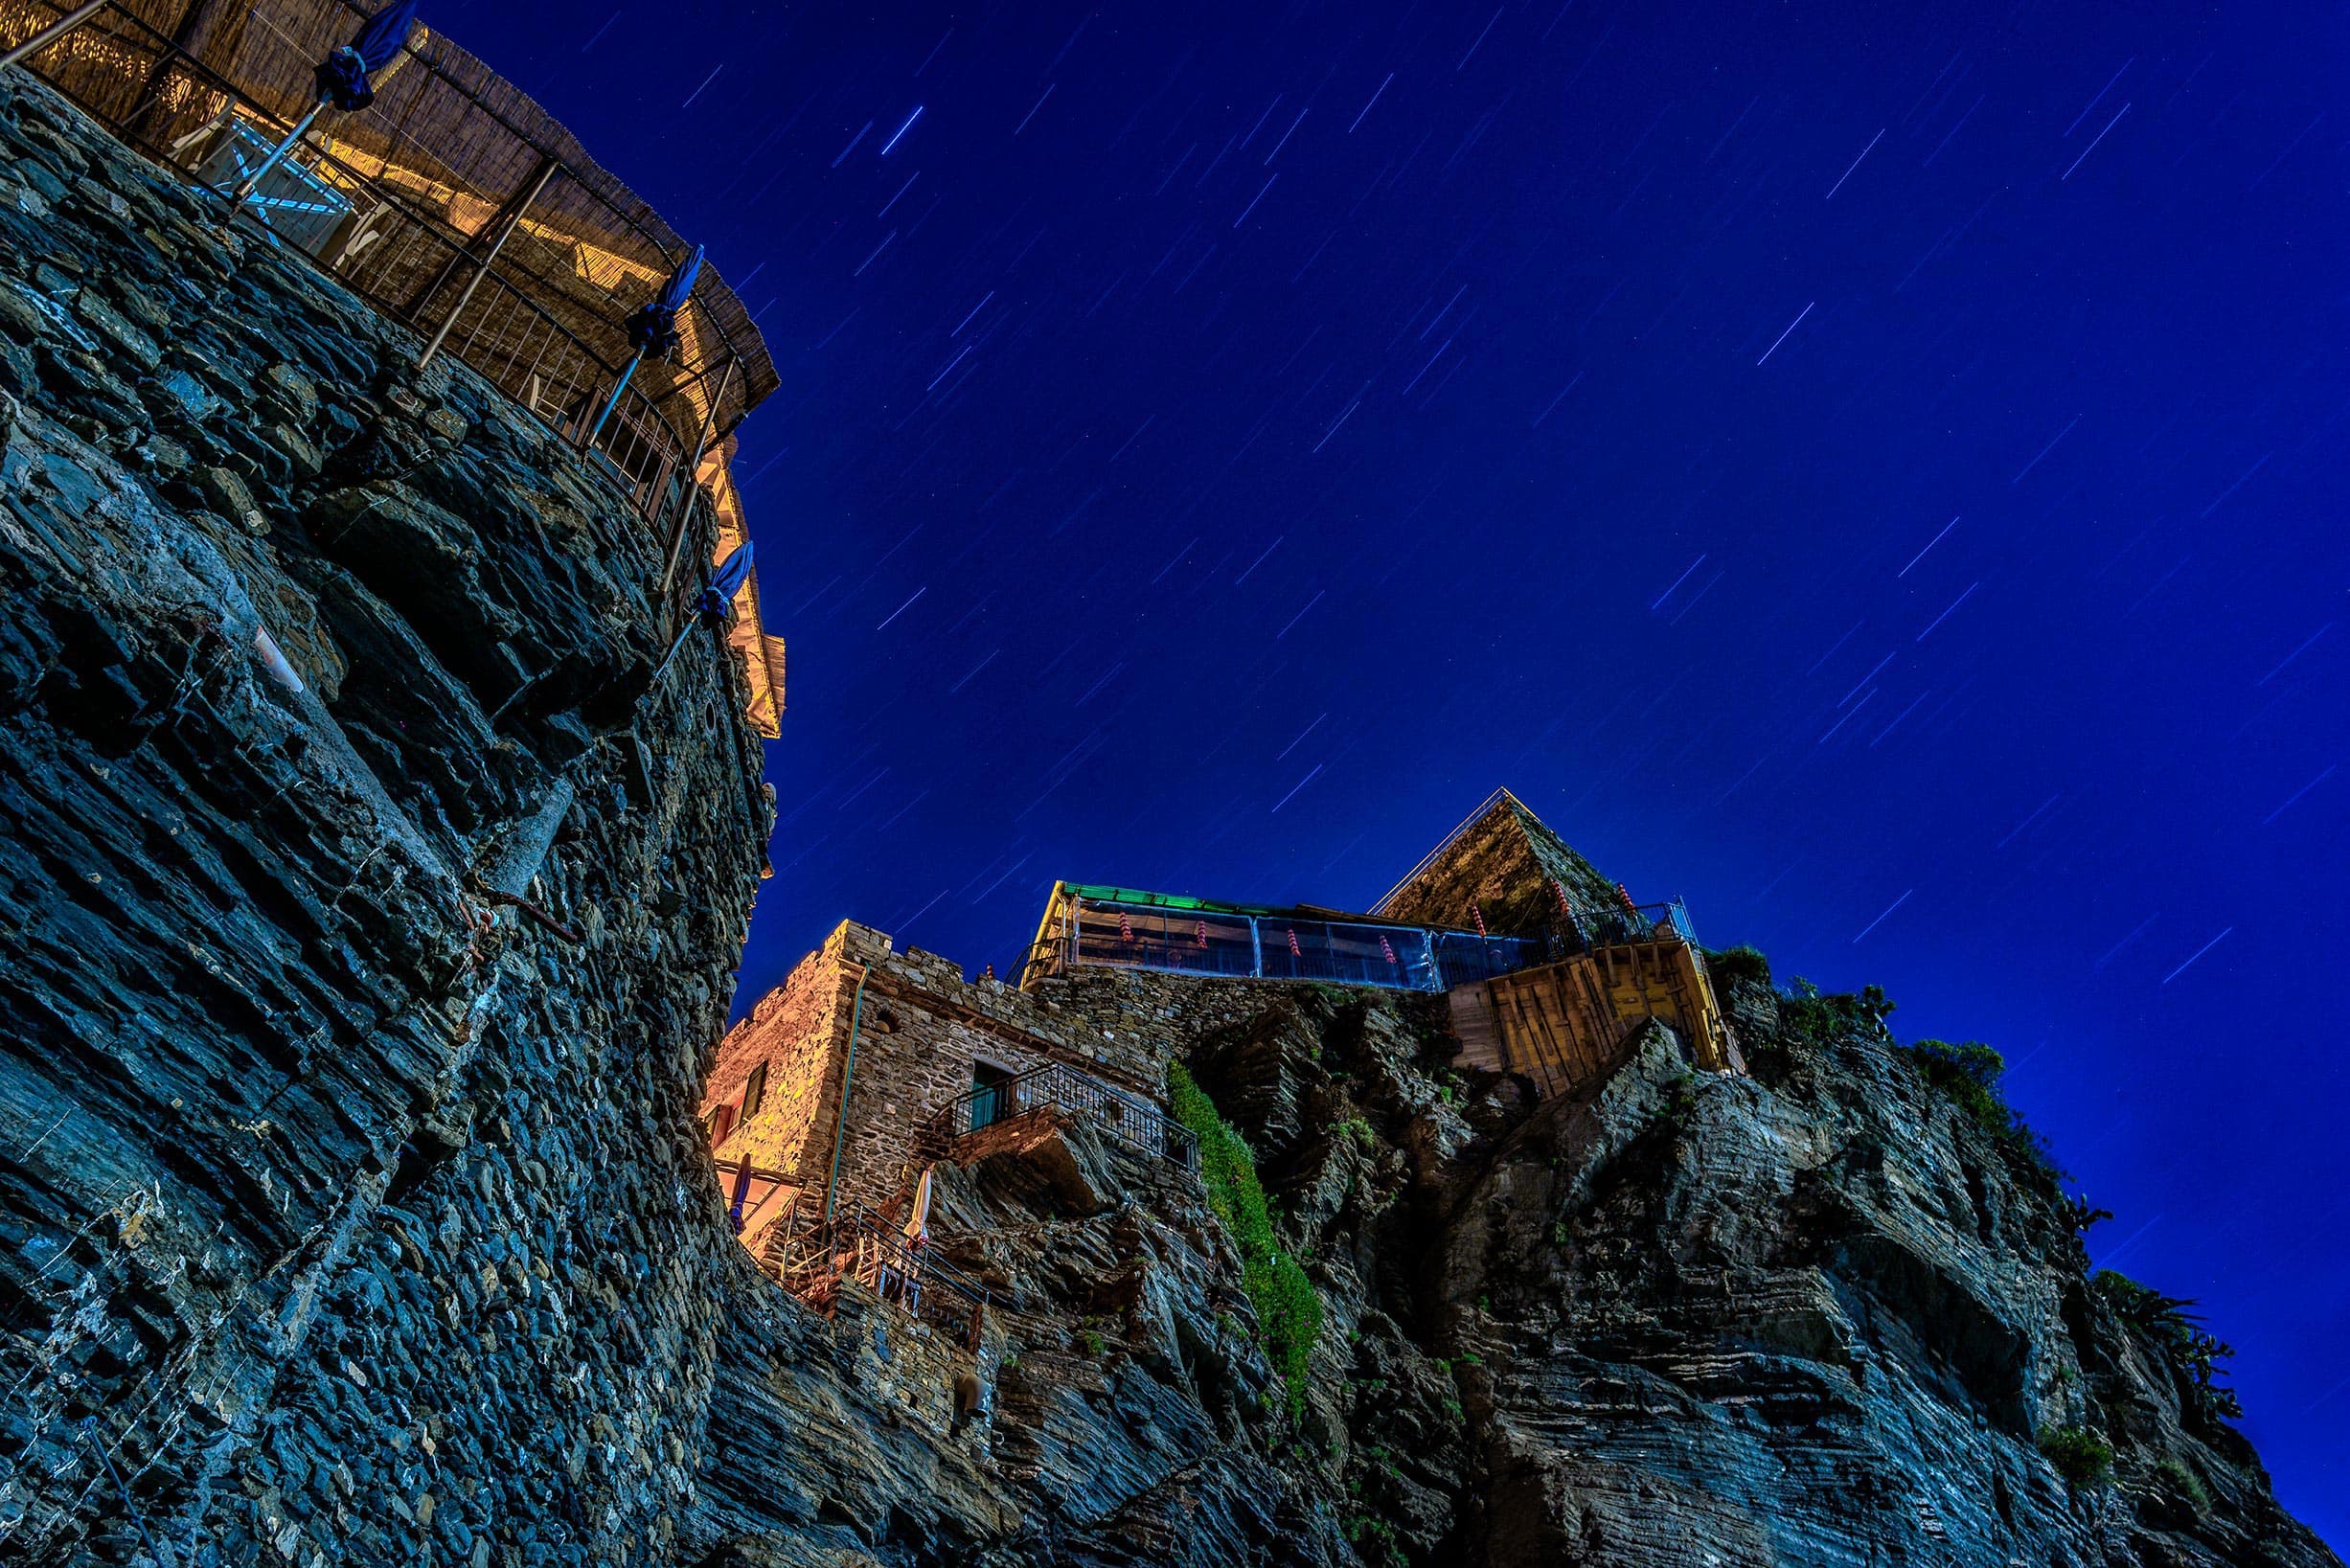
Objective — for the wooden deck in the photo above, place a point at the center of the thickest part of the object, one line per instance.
(1563, 1025)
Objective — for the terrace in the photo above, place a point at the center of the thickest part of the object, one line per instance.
(456, 205)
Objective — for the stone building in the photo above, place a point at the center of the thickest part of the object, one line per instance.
(869, 1063)
(833, 1081)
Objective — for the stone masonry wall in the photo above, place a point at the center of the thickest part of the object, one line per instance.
(347, 1213)
(796, 1031)
(922, 1028)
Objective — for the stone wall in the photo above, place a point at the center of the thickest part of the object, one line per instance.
(921, 1029)
(794, 1032)
(347, 1214)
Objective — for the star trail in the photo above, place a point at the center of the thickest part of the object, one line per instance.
(1874, 472)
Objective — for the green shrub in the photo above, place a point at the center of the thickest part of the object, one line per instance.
(1091, 1344)
(2178, 1336)
(1969, 1076)
(2184, 1484)
(1288, 1313)
(1739, 966)
(1359, 1130)
(2080, 1455)
(1681, 1102)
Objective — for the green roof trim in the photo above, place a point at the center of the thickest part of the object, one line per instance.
(1142, 900)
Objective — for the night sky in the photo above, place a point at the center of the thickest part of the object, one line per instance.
(1875, 473)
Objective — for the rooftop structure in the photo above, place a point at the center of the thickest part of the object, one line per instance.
(455, 204)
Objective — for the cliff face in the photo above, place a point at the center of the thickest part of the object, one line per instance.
(347, 1213)
(353, 1215)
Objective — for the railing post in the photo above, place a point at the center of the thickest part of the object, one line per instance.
(692, 481)
(1256, 949)
(588, 441)
(547, 167)
(51, 34)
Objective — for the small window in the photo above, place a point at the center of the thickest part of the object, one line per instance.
(722, 1123)
(754, 1091)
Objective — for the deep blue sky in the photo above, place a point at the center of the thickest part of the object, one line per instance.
(1169, 490)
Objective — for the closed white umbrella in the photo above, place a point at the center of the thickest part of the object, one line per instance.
(918, 1218)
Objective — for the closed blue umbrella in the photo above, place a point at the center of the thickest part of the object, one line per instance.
(344, 79)
(714, 601)
(726, 582)
(343, 76)
(653, 329)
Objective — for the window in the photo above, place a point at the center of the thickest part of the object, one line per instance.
(722, 1123)
(754, 1091)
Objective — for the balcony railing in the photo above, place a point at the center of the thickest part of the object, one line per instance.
(1214, 942)
(404, 202)
(1137, 931)
(1131, 1119)
(811, 1256)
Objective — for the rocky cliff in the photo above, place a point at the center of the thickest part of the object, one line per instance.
(352, 1210)
(355, 1212)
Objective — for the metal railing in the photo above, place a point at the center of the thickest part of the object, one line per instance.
(1212, 942)
(1578, 930)
(1236, 945)
(403, 203)
(1125, 1116)
(811, 1256)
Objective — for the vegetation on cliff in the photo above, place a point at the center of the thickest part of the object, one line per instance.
(1288, 1313)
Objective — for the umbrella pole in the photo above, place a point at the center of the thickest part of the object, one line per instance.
(662, 668)
(247, 187)
(612, 403)
(51, 34)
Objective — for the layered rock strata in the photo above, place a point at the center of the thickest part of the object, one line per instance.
(369, 918)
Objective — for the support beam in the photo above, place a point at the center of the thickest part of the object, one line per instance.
(51, 34)
(501, 224)
(513, 211)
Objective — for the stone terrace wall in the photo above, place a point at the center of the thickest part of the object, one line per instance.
(346, 1217)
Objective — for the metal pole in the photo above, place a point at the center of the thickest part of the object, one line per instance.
(1256, 948)
(622, 385)
(51, 34)
(663, 667)
(840, 1126)
(513, 221)
(693, 470)
(244, 191)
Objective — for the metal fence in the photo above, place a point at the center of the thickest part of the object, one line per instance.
(1274, 946)
(1122, 1114)
(405, 201)
(811, 1255)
